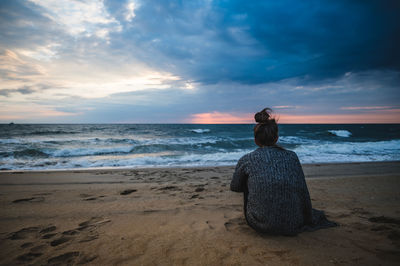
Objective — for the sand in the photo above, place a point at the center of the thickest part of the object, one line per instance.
(188, 216)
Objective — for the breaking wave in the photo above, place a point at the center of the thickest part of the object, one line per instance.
(200, 130)
(182, 145)
(340, 133)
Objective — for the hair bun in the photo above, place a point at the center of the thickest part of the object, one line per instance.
(263, 116)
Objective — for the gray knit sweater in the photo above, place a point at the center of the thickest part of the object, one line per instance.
(276, 197)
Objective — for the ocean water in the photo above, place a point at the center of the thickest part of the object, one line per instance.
(64, 146)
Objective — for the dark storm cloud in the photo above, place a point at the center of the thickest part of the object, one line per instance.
(23, 90)
(23, 25)
(249, 42)
(260, 41)
(305, 57)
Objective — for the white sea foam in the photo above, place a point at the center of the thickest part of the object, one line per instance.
(349, 151)
(152, 160)
(340, 133)
(200, 130)
(181, 140)
(131, 161)
(295, 140)
(164, 146)
(88, 151)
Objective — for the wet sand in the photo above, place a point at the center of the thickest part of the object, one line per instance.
(188, 216)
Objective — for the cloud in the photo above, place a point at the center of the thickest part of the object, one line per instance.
(12, 67)
(259, 42)
(130, 10)
(220, 118)
(30, 112)
(285, 107)
(80, 17)
(23, 90)
(212, 41)
(377, 116)
(367, 108)
(159, 61)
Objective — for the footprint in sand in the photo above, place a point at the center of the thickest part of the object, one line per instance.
(209, 225)
(43, 194)
(33, 199)
(64, 259)
(93, 222)
(46, 232)
(86, 228)
(128, 191)
(59, 241)
(393, 234)
(38, 248)
(384, 219)
(87, 197)
(201, 225)
(359, 211)
(87, 259)
(91, 198)
(27, 257)
(47, 236)
(48, 229)
(27, 245)
(199, 189)
(91, 237)
(175, 188)
(24, 233)
(342, 215)
(380, 228)
(236, 224)
(70, 232)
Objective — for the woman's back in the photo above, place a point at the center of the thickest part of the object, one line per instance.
(276, 198)
(276, 195)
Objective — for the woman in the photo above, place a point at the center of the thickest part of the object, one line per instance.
(276, 197)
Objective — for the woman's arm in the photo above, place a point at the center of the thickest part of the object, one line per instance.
(304, 192)
(239, 176)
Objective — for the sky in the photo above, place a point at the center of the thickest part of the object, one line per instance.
(199, 61)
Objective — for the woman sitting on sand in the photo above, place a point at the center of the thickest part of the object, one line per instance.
(276, 197)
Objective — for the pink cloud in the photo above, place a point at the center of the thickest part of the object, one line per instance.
(366, 108)
(220, 118)
(23, 112)
(373, 116)
(381, 116)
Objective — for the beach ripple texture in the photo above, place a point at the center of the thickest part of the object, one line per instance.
(64, 146)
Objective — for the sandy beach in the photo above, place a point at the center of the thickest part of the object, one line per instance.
(188, 216)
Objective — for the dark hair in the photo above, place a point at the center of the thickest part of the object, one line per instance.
(266, 130)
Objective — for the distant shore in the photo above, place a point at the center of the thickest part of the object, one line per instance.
(188, 216)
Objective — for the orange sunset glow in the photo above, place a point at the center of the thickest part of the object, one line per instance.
(377, 117)
(220, 118)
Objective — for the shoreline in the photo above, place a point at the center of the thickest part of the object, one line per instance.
(188, 216)
(304, 165)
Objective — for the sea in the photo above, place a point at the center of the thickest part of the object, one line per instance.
(82, 146)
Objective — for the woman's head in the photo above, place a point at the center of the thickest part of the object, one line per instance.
(266, 130)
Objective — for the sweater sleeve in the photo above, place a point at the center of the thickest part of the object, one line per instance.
(305, 193)
(239, 176)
